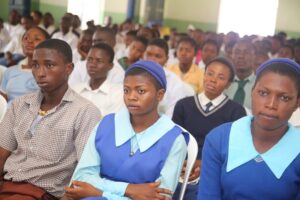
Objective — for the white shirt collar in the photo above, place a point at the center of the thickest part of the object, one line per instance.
(204, 100)
(124, 131)
(242, 150)
(104, 87)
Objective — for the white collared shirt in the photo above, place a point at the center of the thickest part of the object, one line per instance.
(108, 97)
(203, 100)
(176, 90)
(79, 74)
(70, 38)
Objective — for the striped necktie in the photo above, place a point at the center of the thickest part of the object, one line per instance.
(208, 105)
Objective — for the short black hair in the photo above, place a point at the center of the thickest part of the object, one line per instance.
(108, 49)
(161, 44)
(106, 30)
(213, 42)
(45, 33)
(225, 62)
(58, 45)
(142, 40)
(143, 72)
(38, 13)
(189, 40)
(282, 69)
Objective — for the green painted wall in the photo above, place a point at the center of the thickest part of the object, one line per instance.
(56, 10)
(4, 9)
(201, 13)
(117, 17)
(182, 25)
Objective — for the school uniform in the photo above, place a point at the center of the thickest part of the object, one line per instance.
(69, 37)
(80, 75)
(122, 157)
(108, 97)
(17, 81)
(176, 90)
(194, 76)
(190, 114)
(233, 169)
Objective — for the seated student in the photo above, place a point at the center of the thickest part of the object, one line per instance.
(43, 133)
(204, 111)
(186, 69)
(210, 50)
(135, 53)
(65, 33)
(157, 51)
(115, 75)
(83, 46)
(257, 157)
(108, 97)
(13, 50)
(18, 80)
(135, 153)
(4, 38)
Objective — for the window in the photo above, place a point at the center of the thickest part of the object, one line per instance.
(87, 10)
(248, 17)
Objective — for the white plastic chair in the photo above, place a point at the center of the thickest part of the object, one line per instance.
(192, 151)
(3, 107)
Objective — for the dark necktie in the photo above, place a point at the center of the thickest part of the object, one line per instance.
(208, 105)
(240, 94)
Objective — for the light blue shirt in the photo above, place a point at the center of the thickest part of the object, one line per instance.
(17, 82)
(88, 168)
(278, 158)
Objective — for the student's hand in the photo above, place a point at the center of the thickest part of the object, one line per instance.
(79, 190)
(147, 191)
(195, 171)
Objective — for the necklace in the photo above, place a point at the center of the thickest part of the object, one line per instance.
(42, 113)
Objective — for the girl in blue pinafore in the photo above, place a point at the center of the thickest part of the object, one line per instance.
(257, 157)
(135, 153)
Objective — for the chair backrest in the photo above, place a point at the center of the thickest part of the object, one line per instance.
(192, 151)
(3, 107)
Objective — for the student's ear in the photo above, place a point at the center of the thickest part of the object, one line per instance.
(69, 68)
(160, 94)
(110, 65)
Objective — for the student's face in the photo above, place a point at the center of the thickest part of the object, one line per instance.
(243, 57)
(285, 52)
(26, 23)
(128, 40)
(98, 64)
(216, 79)
(50, 70)
(31, 39)
(65, 25)
(104, 37)
(185, 53)
(274, 99)
(136, 50)
(209, 52)
(156, 54)
(141, 96)
(85, 42)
